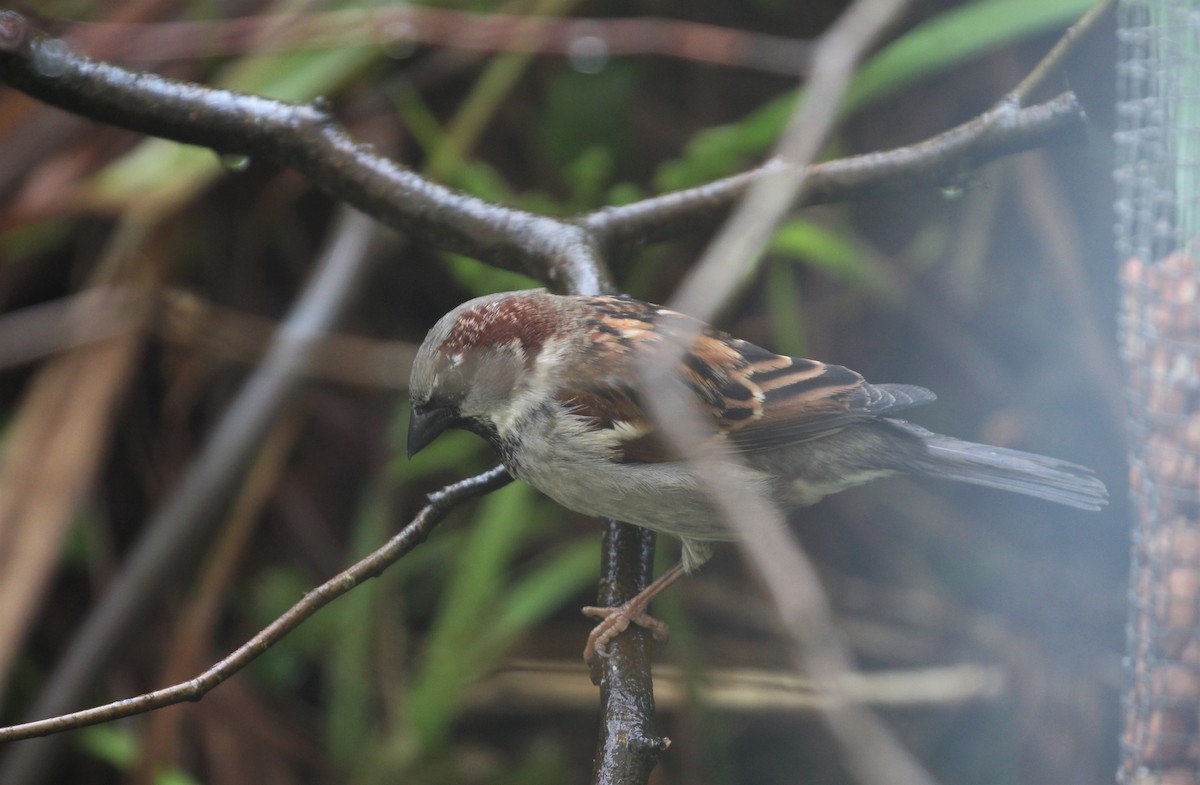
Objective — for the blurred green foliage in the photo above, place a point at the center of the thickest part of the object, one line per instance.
(398, 656)
(932, 47)
(120, 748)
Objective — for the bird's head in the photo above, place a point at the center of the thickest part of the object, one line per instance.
(486, 363)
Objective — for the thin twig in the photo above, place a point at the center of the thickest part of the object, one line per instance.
(561, 253)
(181, 522)
(1008, 127)
(412, 535)
(1054, 58)
(935, 161)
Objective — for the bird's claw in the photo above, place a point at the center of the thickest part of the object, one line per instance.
(614, 621)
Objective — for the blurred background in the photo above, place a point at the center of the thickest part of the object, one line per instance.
(995, 623)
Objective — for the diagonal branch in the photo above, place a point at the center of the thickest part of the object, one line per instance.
(180, 523)
(564, 254)
(307, 138)
(440, 504)
(1001, 131)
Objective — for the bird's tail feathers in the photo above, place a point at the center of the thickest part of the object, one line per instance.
(1009, 470)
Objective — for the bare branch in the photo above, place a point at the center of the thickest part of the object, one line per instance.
(412, 535)
(1054, 58)
(629, 745)
(936, 161)
(561, 253)
(307, 138)
(181, 521)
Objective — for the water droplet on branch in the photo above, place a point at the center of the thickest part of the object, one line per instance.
(52, 58)
(588, 54)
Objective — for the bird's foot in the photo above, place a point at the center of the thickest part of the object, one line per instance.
(616, 620)
(613, 622)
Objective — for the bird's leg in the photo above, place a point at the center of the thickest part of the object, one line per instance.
(614, 621)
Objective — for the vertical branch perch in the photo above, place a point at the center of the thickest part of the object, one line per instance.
(629, 745)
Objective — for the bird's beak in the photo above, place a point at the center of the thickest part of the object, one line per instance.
(425, 425)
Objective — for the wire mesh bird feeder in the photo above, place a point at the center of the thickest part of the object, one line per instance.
(1158, 237)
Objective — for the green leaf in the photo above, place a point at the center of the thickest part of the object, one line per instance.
(483, 610)
(480, 179)
(542, 591)
(820, 248)
(121, 749)
(953, 37)
(783, 310)
(934, 46)
(454, 450)
(570, 123)
(457, 655)
(351, 711)
(174, 777)
(587, 175)
(479, 278)
(625, 193)
(715, 152)
(118, 748)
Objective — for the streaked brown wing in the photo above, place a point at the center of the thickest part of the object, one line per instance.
(761, 400)
(806, 399)
(757, 399)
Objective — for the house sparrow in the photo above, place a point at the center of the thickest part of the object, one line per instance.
(551, 382)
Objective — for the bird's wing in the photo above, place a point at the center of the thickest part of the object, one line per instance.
(754, 399)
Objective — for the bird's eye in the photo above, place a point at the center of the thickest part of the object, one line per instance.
(451, 383)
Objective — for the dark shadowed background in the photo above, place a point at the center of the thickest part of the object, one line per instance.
(997, 291)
